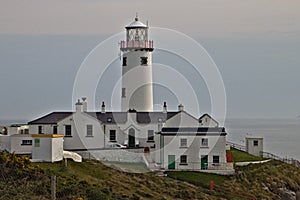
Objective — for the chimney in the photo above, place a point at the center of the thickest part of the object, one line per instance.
(180, 107)
(84, 103)
(78, 106)
(165, 107)
(103, 107)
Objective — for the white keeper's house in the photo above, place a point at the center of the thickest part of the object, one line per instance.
(176, 139)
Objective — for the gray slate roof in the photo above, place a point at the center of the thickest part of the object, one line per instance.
(193, 131)
(51, 118)
(107, 117)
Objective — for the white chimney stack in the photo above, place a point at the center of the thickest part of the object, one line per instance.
(165, 107)
(180, 107)
(84, 103)
(78, 106)
(103, 107)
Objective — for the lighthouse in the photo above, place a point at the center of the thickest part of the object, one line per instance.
(136, 61)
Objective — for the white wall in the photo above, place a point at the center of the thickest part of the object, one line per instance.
(16, 144)
(254, 150)
(47, 128)
(182, 119)
(79, 139)
(49, 150)
(135, 75)
(216, 147)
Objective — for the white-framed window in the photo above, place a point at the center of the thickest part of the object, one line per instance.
(40, 130)
(216, 159)
(112, 135)
(89, 130)
(183, 142)
(150, 135)
(26, 142)
(204, 142)
(255, 143)
(183, 159)
(68, 130)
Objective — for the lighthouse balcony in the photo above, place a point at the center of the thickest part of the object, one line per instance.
(137, 44)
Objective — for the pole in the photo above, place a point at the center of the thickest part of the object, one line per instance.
(53, 187)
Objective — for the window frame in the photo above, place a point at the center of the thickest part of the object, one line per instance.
(123, 92)
(204, 143)
(37, 142)
(69, 128)
(150, 137)
(255, 143)
(183, 142)
(40, 129)
(112, 135)
(124, 61)
(26, 143)
(54, 129)
(216, 159)
(89, 130)
(183, 160)
(143, 59)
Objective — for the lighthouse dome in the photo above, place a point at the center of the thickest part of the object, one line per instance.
(136, 24)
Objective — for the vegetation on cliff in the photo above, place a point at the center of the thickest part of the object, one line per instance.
(21, 179)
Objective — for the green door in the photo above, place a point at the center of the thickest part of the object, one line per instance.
(171, 161)
(131, 138)
(204, 162)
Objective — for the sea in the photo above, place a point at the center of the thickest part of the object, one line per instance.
(281, 136)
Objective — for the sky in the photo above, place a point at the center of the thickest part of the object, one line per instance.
(254, 43)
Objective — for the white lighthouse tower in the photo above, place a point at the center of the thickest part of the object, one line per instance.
(137, 92)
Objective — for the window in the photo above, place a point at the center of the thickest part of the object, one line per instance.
(89, 130)
(123, 92)
(124, 61)
(183, 142)
(183, 160)
(150, 135)
(21, 131)
(37, 142)
(144, 61)
(68, 131)
(26, 142)
(216, 159)
(54, 130)
(204, 142)
(109, 119)
(26, 131)
(112, 135)
(255, 143)
(40, 130)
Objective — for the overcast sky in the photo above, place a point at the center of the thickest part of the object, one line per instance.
(255, 44)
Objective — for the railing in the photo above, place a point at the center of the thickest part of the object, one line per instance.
(136, 44)
(290, 161)
(236, 146)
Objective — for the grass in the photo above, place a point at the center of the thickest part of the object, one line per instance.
(198, 178)
(91, 179)
(128, 167)
(241, 156)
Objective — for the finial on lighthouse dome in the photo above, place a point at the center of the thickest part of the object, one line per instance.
(136, 23)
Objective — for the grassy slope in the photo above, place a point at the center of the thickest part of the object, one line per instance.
(241, 156)
(92, 180)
